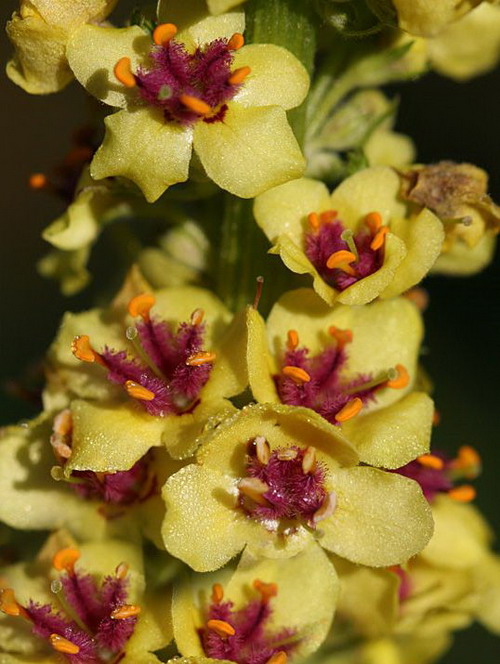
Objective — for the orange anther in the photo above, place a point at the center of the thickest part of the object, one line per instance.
(288, 454)
(9, 604)
(328, 216)
(194, 104)
(137, 391)
(61, 644)
(123, 73)
(263, 450)
(38, 181)
(221, 628)
(82, 350)
(236, 42)
(125, 611)
(309, 460)
(313, 220)
(254, 489)
(239, 75)
(463, 494)
(197, 317)
(436, 417)
(341, 259)
(326, 509)
(121, 570)
(379, 239)
(431, 461)
(292, 340)
(402, 379)
(63, 423)
(65, 559)
(266, 590)
(203, 357)
(163, 33)
(374, 221)
(141, 305)
(419, 297)
(342, 337)
(217, 593)
(297, 374)
(278, 658)
(350, 410)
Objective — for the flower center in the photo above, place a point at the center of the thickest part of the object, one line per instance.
(242, 636)
(341, 256)
(316, 382)
(169, 369)
(437, 473)
(90, 623)
(186, 86)
(287, 484)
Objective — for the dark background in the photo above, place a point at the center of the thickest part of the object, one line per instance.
(447, 120)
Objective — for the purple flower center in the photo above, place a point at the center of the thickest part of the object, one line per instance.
(340, 256)
(285, 486)
(92, 623)
(242, 635)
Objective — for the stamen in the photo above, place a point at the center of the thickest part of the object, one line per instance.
(463, 494)
(419, 297)
(297, 374)
(9, 605)
(197, 317)
(137, 391)
(431, 461)
(163, 33)
(217, 593)
(65, 559)
(348, 236)
(63, 423)
(194, 104)
(467, 463)
(239, 75)
(141, 305)
(122, 570)
(465, 221)
(436, 417)
(379, 239)
(198, 359)
(309, 460)
(267, 590)
(340, 260)
(350, 410)
(38, 181)
(374, 221)
(263, 450)
(288, 454)
(125, 611)
(61, 644)
(254, 489)
(292, 340)
(258, 292)
(342, 337)
(313, 220)
(236, 42)
(221, 628)
(278, 658)
(82, 350)
(401, 379)
(327, 508)
(328, 216)
(123, 73)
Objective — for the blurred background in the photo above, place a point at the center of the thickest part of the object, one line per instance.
(447, 121)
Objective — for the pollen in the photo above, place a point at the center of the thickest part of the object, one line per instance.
(125, 611)
(468, 459)
(197, 317)
(327, 508)
(82, 350)
(137, 391)
(263, 450)
(221, 628)
(309, 460)
(141, 305)
(62, 645)
(9, 604)
(401, 380)
(254, 489)
(328, 216)
(278, 658)
(239, 75)
(196, 105)
(313, 220)
(342, 337)
(379, 239)
(374, 221)
(463, 494)
(163, 33)
(122, 570)
(236, 42)
(292, 339)
(350, 410)
(123, 73)
(266, 590)
(217, 593)
(65, 559)
(340, 260)
(201, 358)
(38, 181)
(431, 461)
(297, 374)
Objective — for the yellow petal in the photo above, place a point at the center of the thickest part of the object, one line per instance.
(216, 27)
(260, 362)
(463, 260)
(277, 77)
(220, 6)
(68, 15)
(253, 150)
(422, 17)
(389, 148)
(142, 147)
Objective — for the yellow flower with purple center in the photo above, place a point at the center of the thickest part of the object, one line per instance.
(357, 243)
(192, 87)
(272, 479)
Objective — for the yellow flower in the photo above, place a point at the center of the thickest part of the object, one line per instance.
(357, 243)
(40, 32)
(425, 18)
(227, 101)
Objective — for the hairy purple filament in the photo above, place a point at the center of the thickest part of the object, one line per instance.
(99, 637)
(251, 643)
(405, 584)
(320, 244)
(325, 392)
(203, 75)
(433, 481)
(293, 494)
